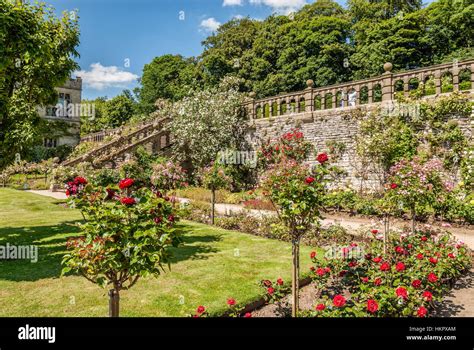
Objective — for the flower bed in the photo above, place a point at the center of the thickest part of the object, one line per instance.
(417, 270)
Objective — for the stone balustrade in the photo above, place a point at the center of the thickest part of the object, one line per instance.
(437, 79)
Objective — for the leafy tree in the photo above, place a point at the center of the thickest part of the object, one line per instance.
(166, 77)
(37, 52)
(223, 50)
(206, 122)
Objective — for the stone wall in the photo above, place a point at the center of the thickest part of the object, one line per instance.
(319, 127)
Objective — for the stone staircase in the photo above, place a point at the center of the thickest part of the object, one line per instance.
(154, 136)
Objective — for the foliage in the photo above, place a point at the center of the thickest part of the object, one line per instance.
(214, 177)
(168, 176)
(109, 113)
(37, 51)
(166, 77)
(206, 122)
(291, 145)
(417, 270)
(416, 183)
(127, 234)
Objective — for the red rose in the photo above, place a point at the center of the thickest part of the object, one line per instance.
(374, 232)
(339, 301)
(385, 267)
(399, 250)
(200, 309)
(409, 246)
(127, 201)
(126, 183)
(270, 290)
(424, 239)
(372, 306)
(68, 193)
(158, 220)
(427, 296)
(322, 158)
(171, 218)
(231, 302)
(309, 180)
(248, 315)
(419, 256)
(312, 255)
(267, 283)
(377, 259)
(280, 282)
(80, 181)
(320, 307)
(416, 284)
(422, 311)
(365, 279)
(400, 267)
(320, 271)
(401, 292)
(327, 269)
(378, 281)
(451, 255)
(432, 277)
(433, 261)
(393, 186)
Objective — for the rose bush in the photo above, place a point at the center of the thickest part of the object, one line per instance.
(127, 234)
(416, 271)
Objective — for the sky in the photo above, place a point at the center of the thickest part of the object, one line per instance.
(118, 37)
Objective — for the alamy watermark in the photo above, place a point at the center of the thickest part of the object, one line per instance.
(395, 109)
(19, 252)
(75, 110)
(231, 157)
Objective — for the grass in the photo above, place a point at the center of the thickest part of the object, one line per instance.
(212, 265)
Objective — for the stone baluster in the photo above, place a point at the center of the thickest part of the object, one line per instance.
(387, 82)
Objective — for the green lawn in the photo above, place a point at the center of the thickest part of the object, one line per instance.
(211, 266)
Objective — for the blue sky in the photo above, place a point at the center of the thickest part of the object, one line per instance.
(118, 37)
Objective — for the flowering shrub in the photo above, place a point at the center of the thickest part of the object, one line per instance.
(169, 176)
(127, 234)
(416, 270)
(233, 310)
(297, 192)
(291, 145)
(213, 178)
(415, 183)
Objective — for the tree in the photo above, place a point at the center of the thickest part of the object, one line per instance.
(37, 52)
(214, 178)
(206, 122)
(166, 77)
(297, 192)
(127, 234)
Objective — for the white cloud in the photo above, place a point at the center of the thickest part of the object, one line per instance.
(232, 3)
(282, 6)
(100, 77)
(210, 24)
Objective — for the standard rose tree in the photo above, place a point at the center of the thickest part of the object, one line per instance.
(126, 235)
(214, 178)
(297, 192)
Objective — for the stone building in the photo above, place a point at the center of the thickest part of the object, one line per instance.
(66, 110)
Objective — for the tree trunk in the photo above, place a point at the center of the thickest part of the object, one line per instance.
(114, 302)
(295, 276)
(213, 204)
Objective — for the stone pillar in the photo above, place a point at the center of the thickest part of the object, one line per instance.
(333, 101)
(456, 78)
(309, 97)
(472, 76)
(370, 93)
(387, 82)
(437, 78)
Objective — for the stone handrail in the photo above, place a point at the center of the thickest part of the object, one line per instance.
(121, 142)
(373, 90)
